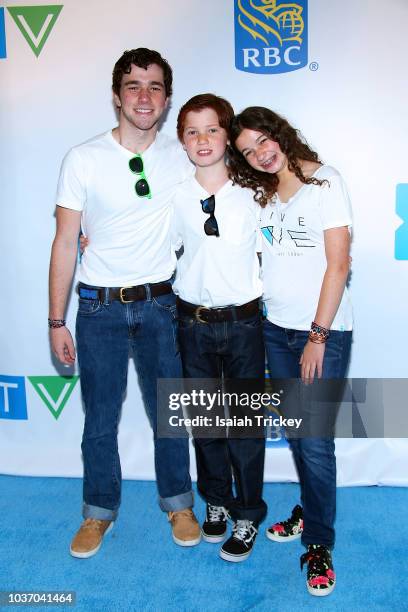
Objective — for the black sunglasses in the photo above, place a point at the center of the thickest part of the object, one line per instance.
(142, 187)
(211, 225)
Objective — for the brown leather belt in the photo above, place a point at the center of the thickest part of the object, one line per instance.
(218, 315)
(124, 294)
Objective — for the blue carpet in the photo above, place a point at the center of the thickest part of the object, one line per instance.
(139, 567)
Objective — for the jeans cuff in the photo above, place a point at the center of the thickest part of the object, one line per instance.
(96, 512)
(321, 542)
(257, 515)
(177, 502)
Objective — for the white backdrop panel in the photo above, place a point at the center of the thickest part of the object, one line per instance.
(353, 112)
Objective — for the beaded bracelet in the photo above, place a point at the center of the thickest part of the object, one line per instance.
(55, 323)
(318, 334)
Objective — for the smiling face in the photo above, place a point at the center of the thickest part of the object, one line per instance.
(142, 97)
(261, 152)
(204, 139)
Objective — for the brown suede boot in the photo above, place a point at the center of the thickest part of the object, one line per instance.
(186, 530)
(88, 539)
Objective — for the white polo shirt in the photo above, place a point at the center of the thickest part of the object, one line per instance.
(293, 254)
(217, 271)
(130, 242)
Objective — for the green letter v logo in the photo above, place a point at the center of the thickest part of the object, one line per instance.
(35, 23)
(54, 391)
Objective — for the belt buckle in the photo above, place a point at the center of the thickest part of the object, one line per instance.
(197, 314)
(122, 299)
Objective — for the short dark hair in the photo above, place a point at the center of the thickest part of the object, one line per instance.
(222, 107)
(142, 58)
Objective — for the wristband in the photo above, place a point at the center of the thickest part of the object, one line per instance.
(55, 323)
(318, 334)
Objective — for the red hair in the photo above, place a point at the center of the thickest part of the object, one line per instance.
(222, 107)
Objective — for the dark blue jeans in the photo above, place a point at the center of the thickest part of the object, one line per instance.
(314, 456)
(234, 350)
(106, 333)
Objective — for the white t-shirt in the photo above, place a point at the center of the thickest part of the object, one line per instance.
(130, 242)
(217, 271)
(293, 253)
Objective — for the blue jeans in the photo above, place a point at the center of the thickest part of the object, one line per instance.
(314, 456)
(234, 350)
(106, 333)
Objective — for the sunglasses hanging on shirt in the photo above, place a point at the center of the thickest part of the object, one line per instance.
(211, 225)
(142, 187)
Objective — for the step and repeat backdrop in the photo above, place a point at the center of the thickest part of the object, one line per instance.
(335, 68)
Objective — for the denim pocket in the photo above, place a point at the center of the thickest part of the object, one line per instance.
(88, 307)
(251, 323)
(166, 302)
(336, 355)
(185, 323)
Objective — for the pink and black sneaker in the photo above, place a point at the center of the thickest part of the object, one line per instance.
(287, 530)
(321, 578)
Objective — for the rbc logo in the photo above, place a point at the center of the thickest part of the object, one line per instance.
(401, 235)
(270, 36)
(13, 404)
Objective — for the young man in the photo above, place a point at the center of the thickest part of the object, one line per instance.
(119, 186)
(220, 331)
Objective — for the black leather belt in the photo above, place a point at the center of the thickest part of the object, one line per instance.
(124, 294)
(218, 315)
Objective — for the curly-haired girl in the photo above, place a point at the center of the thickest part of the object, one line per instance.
(305, 218)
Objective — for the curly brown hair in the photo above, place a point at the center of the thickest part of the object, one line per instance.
(142, 58)
(291, 143)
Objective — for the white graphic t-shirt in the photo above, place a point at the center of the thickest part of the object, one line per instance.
(293, 253)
